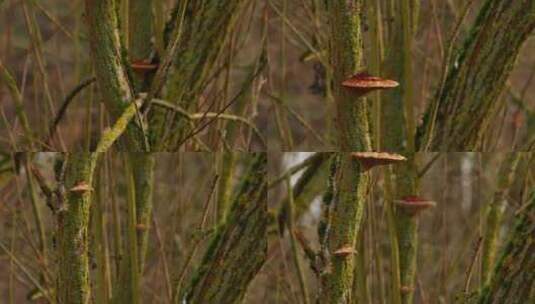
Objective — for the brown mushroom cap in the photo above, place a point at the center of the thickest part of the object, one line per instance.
(414, 204)
(345, 251)
(81, 187)
(372, 159)
(142, 66)
(141, 227)
(363, 83)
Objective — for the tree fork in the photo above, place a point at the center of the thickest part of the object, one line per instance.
(110, 66)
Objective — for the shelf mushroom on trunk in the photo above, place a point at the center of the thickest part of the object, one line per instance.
(342, 218)
(362, 83)
(407, 218)
(143, 66)
(369, 160)
(413, 204)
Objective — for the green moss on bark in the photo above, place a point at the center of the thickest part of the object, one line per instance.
(108, 62)
(345, 54)
(513, 279)
(143, 173)
(73, 219)
(239, 247)
(460, 114)
(494, 215)
(345, 221)
(407, 228)
(207, 26)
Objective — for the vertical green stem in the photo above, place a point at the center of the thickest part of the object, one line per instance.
(143, 172)
(346, 53)
(100, 247)
(344, 225)
(36, 210)
(127, 290)
(73, 219)
(132, 243)
(376, 54)
(408, 98)
(407, 228)
(393, 236)
(8, 80)
(108, 59)
(227, 162)
(495, 214)
(295, 255)
(360, 283)
(140, 22)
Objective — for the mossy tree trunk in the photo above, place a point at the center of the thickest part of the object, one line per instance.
(227, 162)
(72, 224)
(111, 66)
(140, 33)
(239, 247)
(513, 278)
(407, 228)
(495, 211)
(143, 173)
(346, 54)
(341, 226)
(465, 105)
(206, 29)
(399, 131)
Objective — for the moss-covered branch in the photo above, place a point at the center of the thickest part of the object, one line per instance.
(239, 247)
(513, 279)
(143, 171)
(407, 229)
(73, 219)
(110, 65)
(465, 104)
(345, 54)
(341, 228)
(206, 27)
(227, 163)
(140, 47)
(494, 215)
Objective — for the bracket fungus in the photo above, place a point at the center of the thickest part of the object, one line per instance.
(143, 66)
(414, 204)
(81, 187)
(369, 160)
(345, 251)
(141, 227)
(362, 83)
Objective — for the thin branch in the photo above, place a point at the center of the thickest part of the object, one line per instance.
(66, 102)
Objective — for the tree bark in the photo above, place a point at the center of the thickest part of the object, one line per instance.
(73, 219)
(346, 54)
(342, 225)
(239, 247)
(464, 106)
(514, 276)
(111, 66)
